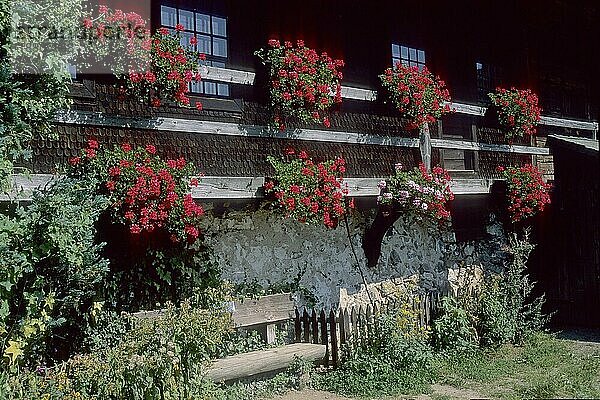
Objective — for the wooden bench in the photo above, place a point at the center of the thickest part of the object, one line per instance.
(263, 314)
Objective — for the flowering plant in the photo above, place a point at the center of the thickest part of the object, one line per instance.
(171, 69)
(304, 84)
(418, 191)
(145, 192)
(121, 40)
(308, 191)
(418, 94)
(527, 192)
(518, 111)
(158, 67)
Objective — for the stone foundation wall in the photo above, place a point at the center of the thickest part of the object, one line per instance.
(262, 247)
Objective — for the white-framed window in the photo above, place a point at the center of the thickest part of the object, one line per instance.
(488, 78)
(210, 32)
(408, 56)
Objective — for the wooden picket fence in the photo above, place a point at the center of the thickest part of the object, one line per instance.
(335, 328)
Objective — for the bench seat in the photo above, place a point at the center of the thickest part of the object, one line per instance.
(263, 362)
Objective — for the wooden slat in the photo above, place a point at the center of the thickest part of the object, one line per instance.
(314, 327)
(358, 94)
(324, 336)
(334, 339)
(266, 309)
(227, 75)
(306, 326)
(502, 148)
(222, 187)
(262, 362)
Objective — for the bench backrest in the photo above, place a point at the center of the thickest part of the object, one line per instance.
(269, 309)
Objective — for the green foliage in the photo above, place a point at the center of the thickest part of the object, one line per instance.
(453, 330)
(507, 313)
(394, 359)
(53, 269)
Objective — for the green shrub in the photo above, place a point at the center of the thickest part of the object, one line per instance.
(53, 270)
(506, 312)
(395, 358)
(453, 330)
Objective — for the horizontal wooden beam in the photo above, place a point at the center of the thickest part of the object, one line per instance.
(226, 128)
(227, 75)
(358, 93)
(247, 78)
(239, 187)
(476, 146)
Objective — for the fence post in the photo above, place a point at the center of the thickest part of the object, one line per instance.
(425, 146)
(334, 341)
(306, 326)
(315, 327)
(342, 327)
(324, 338)
(297, 327)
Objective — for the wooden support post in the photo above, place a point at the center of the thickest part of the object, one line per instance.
(324, 337)
(334, 341)
(475, 153)
(425, 146)
(271, 334)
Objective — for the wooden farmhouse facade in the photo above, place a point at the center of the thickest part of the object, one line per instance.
(473, 46)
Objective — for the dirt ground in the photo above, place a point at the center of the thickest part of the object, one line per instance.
(439, 391)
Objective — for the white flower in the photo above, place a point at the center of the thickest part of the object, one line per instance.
(417, 202)
(388, 195)
(381, 184)
(398, 166)
(403, 194)
(424, 206)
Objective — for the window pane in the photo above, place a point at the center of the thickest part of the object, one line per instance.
(196, 87)
(186, 18)
(478, 66)
(395, 61)
(404, 52)
(72, 70)
(219, 26)
(204, 44)
(421, 56)
(395, 51)
(168, 16)
(202, 23)
(210, 88)
(184, 39)
(218, 64)
(412, 54)
(223, 89)
(219, 47)
(405, 63)
(413, 64)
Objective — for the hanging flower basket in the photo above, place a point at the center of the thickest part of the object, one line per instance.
(518, 111)
(527, 193)
(303, 84)
(416, 191)
(308, 191)
(156, 69)
(420, 96)
(145, 192)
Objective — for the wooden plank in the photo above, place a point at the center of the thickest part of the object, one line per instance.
(425, 146)
(306, 326)
(354, 93)
(297, 326)
(227, 75)
(503, 148)
(314, 327)
(334, 339)
(475, 153)
(256, 363)
(324, 336)
(267, 309)
(227, 128)
(223, 187)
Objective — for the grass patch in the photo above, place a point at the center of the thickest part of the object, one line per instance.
(543, 367)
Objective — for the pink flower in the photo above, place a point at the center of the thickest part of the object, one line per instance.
(193, 41)
(151, 149)
(179, 27)
(126, 147)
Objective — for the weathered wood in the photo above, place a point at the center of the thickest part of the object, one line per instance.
(220, 187)
(315, 327)
(342, 322)
(297, 327)
(358, 93)
(334, 339)
(324, 336)
(270, 333)
(502, 148)
(227, 75)
(425, 146)
(267, 309)
(475, 153)
(305, 326)
(261, 362)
